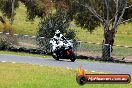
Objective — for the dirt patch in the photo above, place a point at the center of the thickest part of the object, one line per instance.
(87, 53)
(27, 45)
(128, 59)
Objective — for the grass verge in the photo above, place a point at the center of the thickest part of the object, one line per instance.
(33, 76)
(24, 54)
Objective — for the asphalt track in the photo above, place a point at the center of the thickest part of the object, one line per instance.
(89, 66)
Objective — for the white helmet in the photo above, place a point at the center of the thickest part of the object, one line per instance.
(57, 32)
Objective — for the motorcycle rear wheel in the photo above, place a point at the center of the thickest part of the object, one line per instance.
(55, 57)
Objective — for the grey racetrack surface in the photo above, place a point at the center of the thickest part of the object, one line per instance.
(90, 66)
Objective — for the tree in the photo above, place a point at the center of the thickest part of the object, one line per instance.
(109, 13)
(12, 11)
(7, 7)
(35, 8)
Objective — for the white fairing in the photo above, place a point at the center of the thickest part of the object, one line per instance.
(67, 44)
(61, 43)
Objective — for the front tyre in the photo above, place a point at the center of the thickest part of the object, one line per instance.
(73, 58)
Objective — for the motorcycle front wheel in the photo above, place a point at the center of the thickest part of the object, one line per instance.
(73, 58)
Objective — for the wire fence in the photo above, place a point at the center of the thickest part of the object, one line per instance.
(84, 48)
(19, 40)
(95, 49)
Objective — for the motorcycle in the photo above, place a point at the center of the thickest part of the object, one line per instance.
(63, 50)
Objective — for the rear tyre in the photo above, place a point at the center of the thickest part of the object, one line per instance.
(55, 57)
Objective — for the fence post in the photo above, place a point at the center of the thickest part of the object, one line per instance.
(106, 52)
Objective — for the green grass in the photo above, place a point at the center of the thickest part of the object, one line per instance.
(21, 25)
(24, 54)
(33, 76)
(120, 51)
(123, 36)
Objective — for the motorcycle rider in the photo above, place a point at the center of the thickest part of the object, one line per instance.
(61, 47)
(59, 40)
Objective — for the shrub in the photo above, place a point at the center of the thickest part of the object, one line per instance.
(6, 41)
